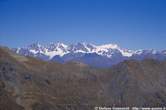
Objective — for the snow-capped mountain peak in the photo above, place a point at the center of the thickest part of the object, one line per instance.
(54, 49)
(108, 46)
(108, 54)
(149, 51)
(61, 49)
(79, 47)
(34, 46)
(126, 52)
(61, 45)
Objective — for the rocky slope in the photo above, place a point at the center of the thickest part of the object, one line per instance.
(32, 84)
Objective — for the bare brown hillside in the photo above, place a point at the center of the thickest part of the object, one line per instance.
(32, 84)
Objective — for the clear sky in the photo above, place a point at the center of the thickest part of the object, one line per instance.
(133, 24)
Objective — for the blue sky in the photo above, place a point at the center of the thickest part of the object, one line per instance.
(132, 24)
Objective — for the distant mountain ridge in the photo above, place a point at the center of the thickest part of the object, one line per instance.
(94, 55)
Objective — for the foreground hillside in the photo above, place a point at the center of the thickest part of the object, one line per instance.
(27, 83)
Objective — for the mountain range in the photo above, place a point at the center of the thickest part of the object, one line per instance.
(28, 83)
(94, 55)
